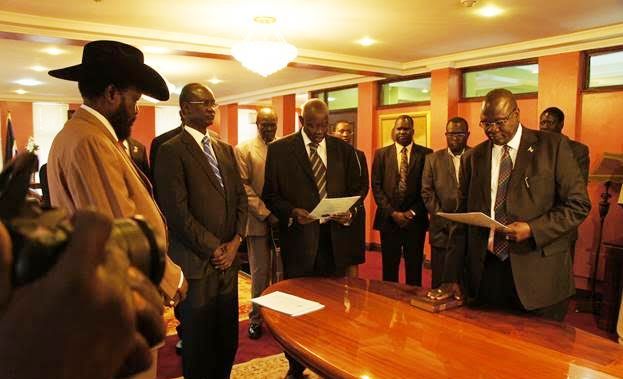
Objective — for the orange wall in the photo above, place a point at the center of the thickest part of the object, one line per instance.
(21, 118)
(144, 128)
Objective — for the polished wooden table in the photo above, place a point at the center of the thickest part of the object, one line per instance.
(368, 330)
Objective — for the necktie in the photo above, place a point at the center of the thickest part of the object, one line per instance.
(500, 244)
(207, 149)
(319, 170)
(404, 168)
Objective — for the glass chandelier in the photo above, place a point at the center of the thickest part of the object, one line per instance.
(264, 50)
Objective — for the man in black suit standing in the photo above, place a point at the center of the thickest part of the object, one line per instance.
(529, 181)
(401, 216)
(205, 204)
(552, 120)
(344, 131)
(440, 182)
(301, 169)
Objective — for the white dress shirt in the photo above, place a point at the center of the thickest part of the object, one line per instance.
(322, 148)
(456, 160)
(198, 137)
(496, 157)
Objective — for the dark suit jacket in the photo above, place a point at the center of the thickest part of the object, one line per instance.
(200, 214)
(580, 153)
(289, 183)
(545, 190)
(138, 153)
(385, 178)
(155, 147)
(439, 193)
(358, 224)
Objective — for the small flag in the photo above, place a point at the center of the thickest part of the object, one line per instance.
(11, 145)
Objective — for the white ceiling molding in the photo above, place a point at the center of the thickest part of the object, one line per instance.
(584, 40)
(311, 85)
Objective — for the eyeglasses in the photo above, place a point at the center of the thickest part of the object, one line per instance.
(499, 123)
(206, 103)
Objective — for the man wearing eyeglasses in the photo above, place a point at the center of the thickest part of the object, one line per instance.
(204, 201)
(440, 181)
(528, 181)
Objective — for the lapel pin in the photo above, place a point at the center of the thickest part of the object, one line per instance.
(531, 149)
(135, 149)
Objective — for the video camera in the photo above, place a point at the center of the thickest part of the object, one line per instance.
(39, 235)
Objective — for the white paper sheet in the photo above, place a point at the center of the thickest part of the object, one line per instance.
(473, 218)
(288, 304)
(330, 206)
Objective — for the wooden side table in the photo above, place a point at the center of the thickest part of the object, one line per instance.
(613, 284)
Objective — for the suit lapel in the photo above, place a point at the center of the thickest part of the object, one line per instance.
(448, 162)
(300, 152)
(391, 165)
(199, 156)
(332, 156)
(483, 174)
(524, 157)
(412, 158)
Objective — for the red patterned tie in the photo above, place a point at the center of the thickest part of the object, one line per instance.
(500, 244)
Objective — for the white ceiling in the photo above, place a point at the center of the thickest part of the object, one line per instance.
(413, 36)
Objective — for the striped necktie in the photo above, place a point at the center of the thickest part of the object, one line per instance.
(404, 169)
(500, 244)
(207, 149)
(319, 170)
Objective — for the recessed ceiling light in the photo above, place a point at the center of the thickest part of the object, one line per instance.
(156, 50)
(215, 80)
(28, 82)
(39, 68)
(424, 90)
(53, 51)
(20, 91)
(490, 11)
(150, 99)
(366, 41)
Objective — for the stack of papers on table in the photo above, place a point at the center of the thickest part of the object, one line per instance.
(288, 304)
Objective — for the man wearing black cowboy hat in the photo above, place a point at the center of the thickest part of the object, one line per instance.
(87, 166)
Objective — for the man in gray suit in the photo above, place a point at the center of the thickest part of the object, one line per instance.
(205, 204)
(251, 158)
(440, 181)
(528, 181)
(553, 120)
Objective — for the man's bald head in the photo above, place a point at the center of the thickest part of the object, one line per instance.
(266, 122)
(197, 106)
(315, 119)
(499, 116)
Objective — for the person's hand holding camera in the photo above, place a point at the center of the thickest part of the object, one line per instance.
(92, 315)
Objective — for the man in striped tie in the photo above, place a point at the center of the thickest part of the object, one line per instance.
(301, 169)
(529, 181)
(204, 201)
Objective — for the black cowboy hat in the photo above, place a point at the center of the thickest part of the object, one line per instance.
(116, 60)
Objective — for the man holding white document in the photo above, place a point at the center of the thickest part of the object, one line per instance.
(301, 170)
(528, 181)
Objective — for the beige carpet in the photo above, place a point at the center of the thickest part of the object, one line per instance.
(272, 367)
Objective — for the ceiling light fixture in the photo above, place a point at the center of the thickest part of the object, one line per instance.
(53, 51)
(215, 80)
(39, 68)
(366, 41)
(28, 82)
(490, 11)
(20, 91)
(264, 50)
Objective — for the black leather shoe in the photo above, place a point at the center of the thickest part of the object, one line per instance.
(255, 331)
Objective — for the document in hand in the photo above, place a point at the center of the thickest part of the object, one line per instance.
(288, 304)
(330, 206)
(473, 218)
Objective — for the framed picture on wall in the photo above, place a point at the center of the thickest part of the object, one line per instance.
(421, 126)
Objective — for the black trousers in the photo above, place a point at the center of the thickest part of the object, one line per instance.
(407, 242)
(324, 266)
(497, 290)
(210, 322)
(437, 263)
